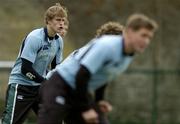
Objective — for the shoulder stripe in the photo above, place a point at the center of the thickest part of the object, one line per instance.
(23, 43)
(90, 47)
(14, 104)
(39, 50)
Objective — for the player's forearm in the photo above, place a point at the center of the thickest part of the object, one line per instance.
(82, 79)
(29, 72)
(99, 93)
(53, 63)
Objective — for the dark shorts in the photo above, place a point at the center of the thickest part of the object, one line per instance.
(58, 103)
(19, 100)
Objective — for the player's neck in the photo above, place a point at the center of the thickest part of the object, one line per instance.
(127, 45)
(50, 32)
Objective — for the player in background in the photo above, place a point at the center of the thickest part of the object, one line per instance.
(42, 48)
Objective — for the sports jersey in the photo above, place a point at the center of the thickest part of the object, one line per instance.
(103, 57)
(39, 49)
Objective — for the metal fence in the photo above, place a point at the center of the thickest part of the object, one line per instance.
(6, 65)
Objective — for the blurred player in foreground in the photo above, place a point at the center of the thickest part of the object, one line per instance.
(89, 69)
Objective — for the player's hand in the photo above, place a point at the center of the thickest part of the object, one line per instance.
(105, 106)
(90, 116)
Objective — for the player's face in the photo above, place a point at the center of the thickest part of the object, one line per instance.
(140, 39)
(57, 24)
(63, 32)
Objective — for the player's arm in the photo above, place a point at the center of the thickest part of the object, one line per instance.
(29, 50)
(59, 55)
(99, 93)
(53, 63)
(92, 60)
(57, 59)
(88, 113)
(103, 105)
(29, 72)
(82, 78)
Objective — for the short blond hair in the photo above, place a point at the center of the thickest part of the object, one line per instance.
(113, 28)
(137, 21)
(56, 10)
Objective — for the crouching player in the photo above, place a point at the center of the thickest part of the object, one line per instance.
(67, 93)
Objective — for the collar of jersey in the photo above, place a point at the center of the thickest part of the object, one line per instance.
(123, 49)
(48, 38)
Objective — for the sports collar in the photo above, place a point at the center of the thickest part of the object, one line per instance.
(47, 38)
(123, 49)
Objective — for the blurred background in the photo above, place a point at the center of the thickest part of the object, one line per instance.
(148, 92)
